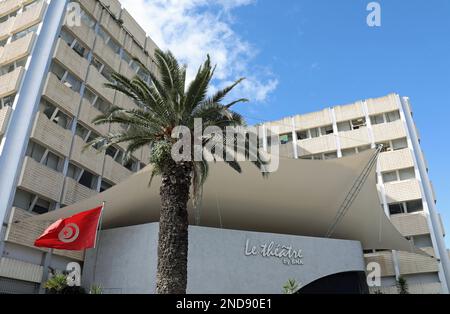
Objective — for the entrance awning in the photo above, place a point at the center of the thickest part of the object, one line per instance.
(302, 198)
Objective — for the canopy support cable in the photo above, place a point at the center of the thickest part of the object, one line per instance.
(353, 193)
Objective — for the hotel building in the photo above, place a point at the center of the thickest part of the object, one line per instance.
(51, 87)
(52, 75)
(406, 192)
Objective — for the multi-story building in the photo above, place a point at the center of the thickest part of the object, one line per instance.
(405, 190)
(52, 76)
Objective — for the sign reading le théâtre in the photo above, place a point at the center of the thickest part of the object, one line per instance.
(286, 253)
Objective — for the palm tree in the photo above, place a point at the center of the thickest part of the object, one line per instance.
(165, 104)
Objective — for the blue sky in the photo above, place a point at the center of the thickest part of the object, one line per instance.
(304, 55)
(323, 54)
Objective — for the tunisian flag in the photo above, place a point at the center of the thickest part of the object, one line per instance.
(76, 233)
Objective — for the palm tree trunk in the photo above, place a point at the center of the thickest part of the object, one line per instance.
(173, 230)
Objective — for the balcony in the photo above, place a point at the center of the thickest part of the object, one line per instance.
(89, 158)
(411, 224)
(51, 135)
(71, 60)
(113, 28)
(399, 159)
(354, 138)
(383, 104)
(107, 55)
(15, 269)
(41, 180)
(389, 131)
(96, 81)
(317, 145)
(6, 27)
(115, 172)
(89, 113)
(287, 150)
(125, 102)
(126, 70)
(17, 49)
(130, 24)
(384, 259)
(24, 233)
(313, 120)
(4, 117)
(75, 192)
(426, 288)
(402, 191)
(10, 82)
(30, 17)
(9, 6)
(349, 112)
(410, 263)
(60, 94)
(92, 7)
(84, 33)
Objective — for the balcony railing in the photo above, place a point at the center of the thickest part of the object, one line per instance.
(4, 118)
(51, 135)
(41, 180)
(17, 49)
(10, 82)
(411, 224)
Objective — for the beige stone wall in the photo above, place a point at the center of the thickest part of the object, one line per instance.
(10, 82)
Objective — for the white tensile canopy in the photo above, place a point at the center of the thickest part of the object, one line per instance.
(303, 197)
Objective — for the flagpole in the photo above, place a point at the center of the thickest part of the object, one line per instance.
(99, 229)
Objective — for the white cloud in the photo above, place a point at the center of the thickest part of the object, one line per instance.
(191, 29)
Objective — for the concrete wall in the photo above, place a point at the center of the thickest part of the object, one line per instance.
(127, 259)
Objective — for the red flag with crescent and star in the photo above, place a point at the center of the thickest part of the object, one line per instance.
(75, 233)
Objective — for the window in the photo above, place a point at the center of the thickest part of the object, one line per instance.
(378, 119)
(344, 126)
(55, 115)
(348, 152)
(399, 144)
(8, 68)
(392, 116)
(131, 165)
(24, 33)
(7, 101)
(327, 130)
(32, 203)
(286, 138)
(87, 20)
(66, 77)
(358, 123)
(82, 132)
(74, 172)
(395, 209)
(35, 151)
(73, 43)
(105, 186)
(104, 70)
(414, 206)
(390, 177)
(314, 132)
(407, 174)
(303, 135)
(330, 155)
(45, 157)
(97, 101)
(89, 180)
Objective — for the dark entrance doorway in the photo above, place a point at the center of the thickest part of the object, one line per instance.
(342, 283)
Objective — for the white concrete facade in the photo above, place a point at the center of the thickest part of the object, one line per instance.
(405, 189)
(51, 85)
